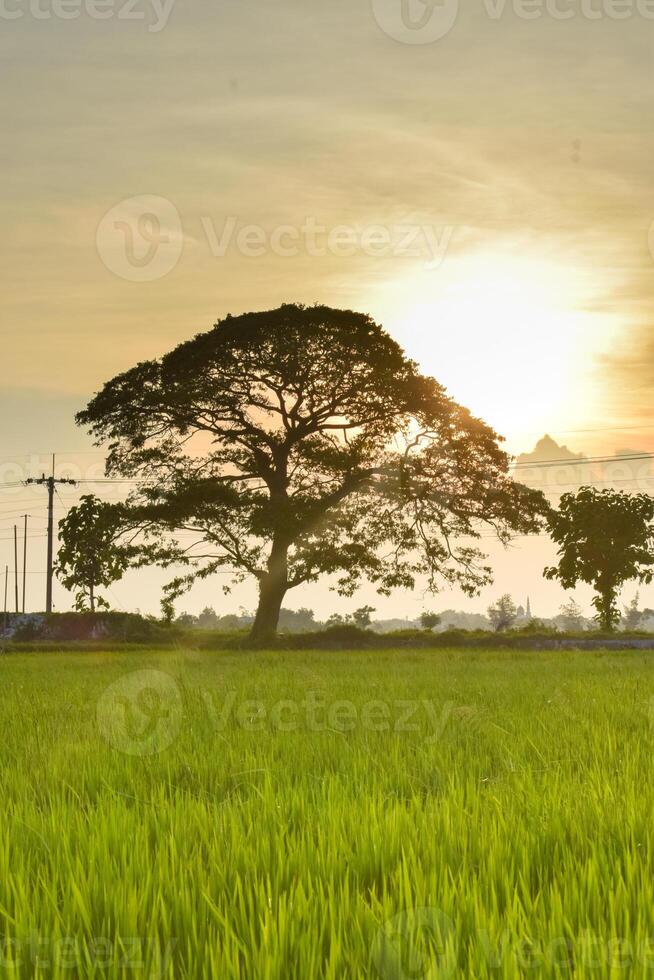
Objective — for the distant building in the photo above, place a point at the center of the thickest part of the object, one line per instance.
(523, 614)
(550, 465)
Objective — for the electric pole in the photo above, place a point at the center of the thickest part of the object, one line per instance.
(50, 482)
(16, 564)
(24, 560)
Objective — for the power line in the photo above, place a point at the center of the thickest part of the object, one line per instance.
(583, 461)
(563, 461)
(9, 537)
(601, 428)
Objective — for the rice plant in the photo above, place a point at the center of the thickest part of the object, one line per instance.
(387, 814)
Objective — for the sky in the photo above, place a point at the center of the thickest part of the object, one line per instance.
(476, 175)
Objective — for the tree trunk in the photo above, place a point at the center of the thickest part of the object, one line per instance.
(272, 589)
(271, 596)
(607, 604)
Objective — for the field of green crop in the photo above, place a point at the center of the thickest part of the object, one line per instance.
(389, 814)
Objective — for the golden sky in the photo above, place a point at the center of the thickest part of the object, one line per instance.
(487, 194)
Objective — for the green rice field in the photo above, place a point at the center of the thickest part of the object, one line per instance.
(391, 814)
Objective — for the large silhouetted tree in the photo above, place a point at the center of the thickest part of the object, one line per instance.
(605, 538)
(302, 442)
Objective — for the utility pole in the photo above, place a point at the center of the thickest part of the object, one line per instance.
(16, 563)
(24, 560)
(50, 482)
(6, 584)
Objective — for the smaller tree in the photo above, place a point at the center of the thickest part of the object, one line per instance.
(605, 539)
(297, 620)
(208, 619)
(571, 616)
(429, 620)
(633, 616)
(90, 555)
(187, 620)
(230, 621)
(503, 614)
(362, 617)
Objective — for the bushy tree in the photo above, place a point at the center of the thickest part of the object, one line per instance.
(455, 619)
(187, 620)
(429, 620)
(230, 621)
(633, 616)
(503, 614)
(208, 619)
(297, 620)
(302, 442)
(362, 617)
(605, 538)
(91, 553)
(571, 616)
(535, 625)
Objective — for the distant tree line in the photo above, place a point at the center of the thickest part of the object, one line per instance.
(503, 615)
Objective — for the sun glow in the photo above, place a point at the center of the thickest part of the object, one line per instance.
(512, 338)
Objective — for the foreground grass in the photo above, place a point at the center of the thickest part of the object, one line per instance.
(463, 813)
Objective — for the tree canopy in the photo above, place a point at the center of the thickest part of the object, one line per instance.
(605, 539)
(429, 620)
(301, 442)
(571, 615)
(90, 555)
(503, 614)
